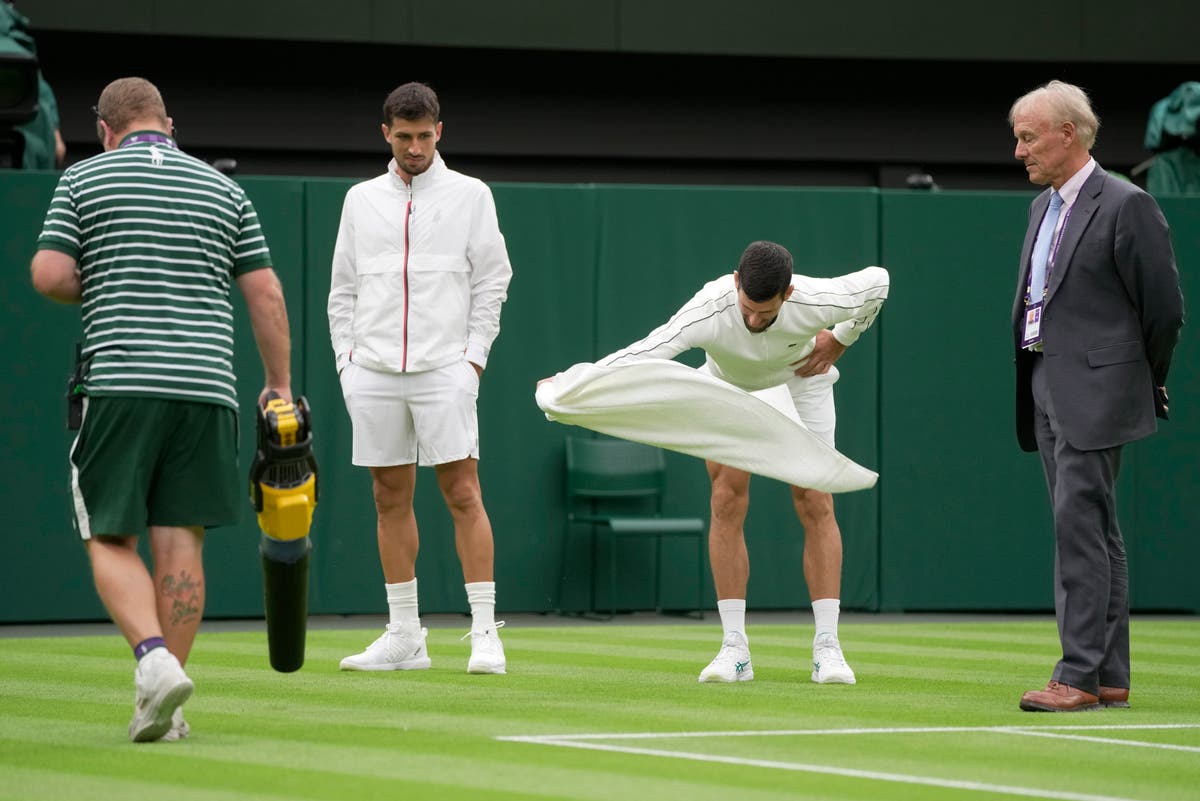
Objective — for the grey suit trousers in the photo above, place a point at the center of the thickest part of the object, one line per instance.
(1091, 574)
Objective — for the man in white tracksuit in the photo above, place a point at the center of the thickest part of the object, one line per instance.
(420, 271)
(764, 329)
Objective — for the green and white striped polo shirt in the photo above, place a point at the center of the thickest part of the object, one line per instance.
(159, 237)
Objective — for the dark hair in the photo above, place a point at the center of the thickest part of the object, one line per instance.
(411, 101)
(764, 271)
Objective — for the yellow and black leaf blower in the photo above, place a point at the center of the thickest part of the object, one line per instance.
(283, 490)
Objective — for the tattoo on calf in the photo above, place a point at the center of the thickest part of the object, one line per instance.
(185, 593)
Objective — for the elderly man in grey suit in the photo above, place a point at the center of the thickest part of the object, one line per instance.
(1095, 321)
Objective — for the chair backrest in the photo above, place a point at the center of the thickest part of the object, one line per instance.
(599, 469)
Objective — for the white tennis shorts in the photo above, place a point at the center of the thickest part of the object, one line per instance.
(401, 418)
(808, 401)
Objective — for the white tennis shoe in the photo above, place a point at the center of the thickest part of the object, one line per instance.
(398, 648)
(829, 665)
(161, 687)
(179, 728)
(732, 662)
(487, 652)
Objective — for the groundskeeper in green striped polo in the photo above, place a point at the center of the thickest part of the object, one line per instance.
(159, 237)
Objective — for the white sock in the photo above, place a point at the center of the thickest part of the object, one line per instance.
(402, 604)
(733, 616)
(825, 616)
(481, 595)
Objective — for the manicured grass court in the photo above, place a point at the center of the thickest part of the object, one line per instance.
(609, 712)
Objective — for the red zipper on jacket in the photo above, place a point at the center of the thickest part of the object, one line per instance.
(407, 217)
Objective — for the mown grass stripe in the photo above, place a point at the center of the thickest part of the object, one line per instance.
(322, 733)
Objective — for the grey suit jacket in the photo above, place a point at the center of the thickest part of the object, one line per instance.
(1111, 320)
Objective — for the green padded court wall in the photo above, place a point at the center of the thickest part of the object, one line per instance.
(965, 518)
(45, 573)
(963, 509)
(1161, 522)
(958, 520)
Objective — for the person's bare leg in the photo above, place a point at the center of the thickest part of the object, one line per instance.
(128, 592)
(459, 483)
(727, 552)
(823, 574)
(396, 523)
(179, 585)
(125, 587)
(822, 543)
(402, 646)
(731, 571)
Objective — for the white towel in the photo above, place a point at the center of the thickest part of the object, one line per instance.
(667, 404)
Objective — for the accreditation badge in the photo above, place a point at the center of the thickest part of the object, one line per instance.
(1033, 324)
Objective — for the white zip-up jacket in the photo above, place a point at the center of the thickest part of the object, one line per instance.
(712, 321)
(419, 272)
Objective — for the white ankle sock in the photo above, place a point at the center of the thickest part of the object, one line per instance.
(733, 616)
(481, 595)
(402, 604)
(825, 616)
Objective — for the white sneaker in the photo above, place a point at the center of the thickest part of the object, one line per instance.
(179, 728)
(829, 666)
(162, 687)
(487, 652)
(732, 662)
(396, 649)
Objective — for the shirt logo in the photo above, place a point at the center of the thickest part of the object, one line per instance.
(156, 156)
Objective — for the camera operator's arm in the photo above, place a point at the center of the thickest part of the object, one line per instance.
(56, 275)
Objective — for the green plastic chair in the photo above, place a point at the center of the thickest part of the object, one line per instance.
(616, 487)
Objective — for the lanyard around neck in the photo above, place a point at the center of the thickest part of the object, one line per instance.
(158, 139)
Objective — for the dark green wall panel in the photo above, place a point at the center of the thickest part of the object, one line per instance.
(552, 242)
(964, 514)
(346, 576)
(1161, 522)
(231, 560)
(45, 573)
(965, 517)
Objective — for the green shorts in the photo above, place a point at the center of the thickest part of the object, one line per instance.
(141, 462)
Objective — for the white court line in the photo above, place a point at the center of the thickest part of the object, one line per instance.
(586, 741)
(659, 735)
(1108, 740)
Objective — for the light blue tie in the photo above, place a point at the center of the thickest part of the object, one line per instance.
(1041, 248)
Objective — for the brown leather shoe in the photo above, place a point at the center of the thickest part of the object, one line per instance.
(1059, 697)
(1114, 696)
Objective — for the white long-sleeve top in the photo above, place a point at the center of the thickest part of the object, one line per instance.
(420, 272)
(712, 321)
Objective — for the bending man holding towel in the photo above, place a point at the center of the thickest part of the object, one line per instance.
(778, 335)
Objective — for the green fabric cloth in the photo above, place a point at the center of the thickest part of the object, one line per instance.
(1173, 119)
(1171, 135)
(1174, 172)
